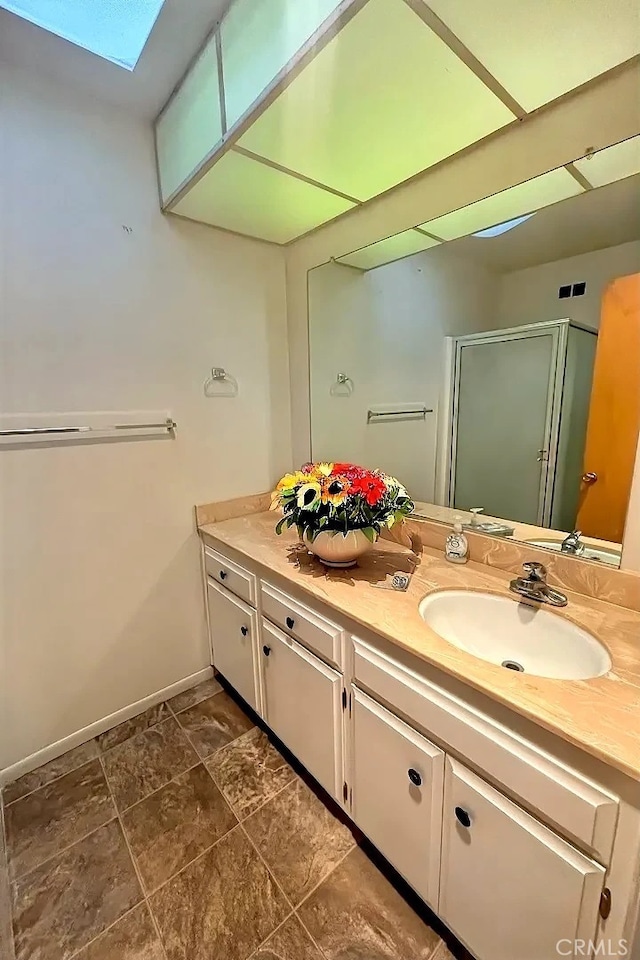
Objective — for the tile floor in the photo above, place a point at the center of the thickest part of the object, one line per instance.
(185, 834)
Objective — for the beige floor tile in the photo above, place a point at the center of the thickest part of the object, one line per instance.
(213, 723)
(147, 761)
(132, 938)
(176, 824)
(124, 731)
(41, 824)
(204, 690)
(289, 942)
(222, 906)
(357, 913)
(250, 771)
(299, 838)
(50, 771)
(68, 901)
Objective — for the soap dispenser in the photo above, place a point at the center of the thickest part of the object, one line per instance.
(456, 548)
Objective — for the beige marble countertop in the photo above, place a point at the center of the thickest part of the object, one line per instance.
(600, 716)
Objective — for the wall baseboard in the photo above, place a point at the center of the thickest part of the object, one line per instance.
(55, 750)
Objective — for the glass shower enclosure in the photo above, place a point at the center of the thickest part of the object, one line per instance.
(519, 409)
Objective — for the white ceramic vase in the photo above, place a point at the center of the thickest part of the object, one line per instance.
(336, 549)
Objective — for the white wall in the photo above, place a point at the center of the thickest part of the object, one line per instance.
(531, 295)
(99, 571)
(386, 330)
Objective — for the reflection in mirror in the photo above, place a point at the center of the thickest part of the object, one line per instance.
(493, 358)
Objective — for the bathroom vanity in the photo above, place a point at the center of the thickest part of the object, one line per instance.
(509, 802)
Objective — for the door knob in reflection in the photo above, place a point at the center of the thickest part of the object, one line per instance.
(589, 477)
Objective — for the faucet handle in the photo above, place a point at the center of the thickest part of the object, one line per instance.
(536, 571)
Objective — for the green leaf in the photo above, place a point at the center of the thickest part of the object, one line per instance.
(370, 534)
(281, 524)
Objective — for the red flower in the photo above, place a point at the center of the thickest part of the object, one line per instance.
(370, 486)
(350, 470)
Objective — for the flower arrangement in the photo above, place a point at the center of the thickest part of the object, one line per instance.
(339, 498)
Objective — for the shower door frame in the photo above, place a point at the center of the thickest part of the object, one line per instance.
(559, 332)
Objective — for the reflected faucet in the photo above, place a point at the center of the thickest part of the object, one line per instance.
(535, 586)
(573, 544)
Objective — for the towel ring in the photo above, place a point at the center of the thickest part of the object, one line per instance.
(342, 387)
(220, 379)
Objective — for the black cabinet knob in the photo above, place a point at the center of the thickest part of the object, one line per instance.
(415, 777)
(223, 574)
(463, 817)
(244, 631)
(266, 650)
(290, 622)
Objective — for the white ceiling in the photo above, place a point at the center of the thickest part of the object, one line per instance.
(180, 30)
(592, 221)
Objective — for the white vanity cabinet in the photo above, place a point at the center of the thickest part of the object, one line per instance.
(516, 840)
(397, 793)
(234, 639)
(510, 887)
(303, 705)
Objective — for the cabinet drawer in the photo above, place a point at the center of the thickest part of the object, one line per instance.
(302, 705)
(397, 793)
(234, 640)
(509, 887)
(580, 809)
(302, 623)
(230, 575)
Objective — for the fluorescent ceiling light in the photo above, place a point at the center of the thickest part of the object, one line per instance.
(502, 227)
(116, 30)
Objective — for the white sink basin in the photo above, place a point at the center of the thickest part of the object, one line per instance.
(601, 554)
(518, 636)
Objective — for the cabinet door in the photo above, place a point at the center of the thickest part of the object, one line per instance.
(302, 705)
(397, 793)
(509, 887)
(234, 638)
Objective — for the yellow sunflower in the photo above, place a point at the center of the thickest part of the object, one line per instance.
(335, 489)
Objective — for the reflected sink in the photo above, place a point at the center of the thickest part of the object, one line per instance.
(601, 554)
(517, 636)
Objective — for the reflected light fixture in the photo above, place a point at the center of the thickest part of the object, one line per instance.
(501, 228)
(115, 30)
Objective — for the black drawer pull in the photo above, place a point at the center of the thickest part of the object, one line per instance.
(463, 817)
(415, 777)
(290, 622)
(266, 650)
(244, 631)
(223, 574)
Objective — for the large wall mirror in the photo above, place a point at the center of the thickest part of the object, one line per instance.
(491, 358)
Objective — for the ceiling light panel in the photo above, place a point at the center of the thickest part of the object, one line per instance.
(191, 124)
(386, 251)
(246, 196)
(382, 101)
(116, 30)
(615, 163)
(259, 37)
(538, 51)
(515, 202)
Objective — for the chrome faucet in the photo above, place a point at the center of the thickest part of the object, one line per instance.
(573, 544)
(535, 586)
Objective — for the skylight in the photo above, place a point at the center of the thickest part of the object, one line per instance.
(114, 29)
(502, 227)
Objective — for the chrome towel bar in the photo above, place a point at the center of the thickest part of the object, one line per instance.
(416, 412)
